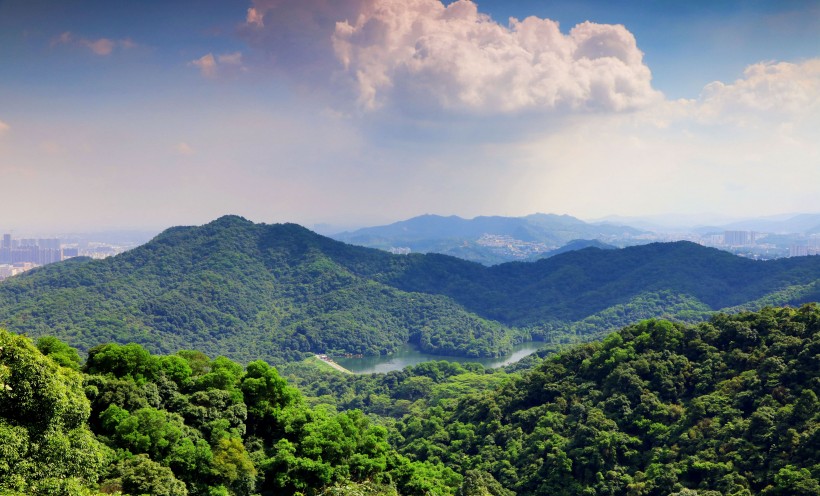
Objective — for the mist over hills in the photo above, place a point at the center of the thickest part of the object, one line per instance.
(279, 291)
(803, 223)
(488, 240)
(494, 240)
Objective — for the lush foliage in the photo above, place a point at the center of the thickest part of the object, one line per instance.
(46, 446)
(727, 407)
(245, 291)
(136, 423)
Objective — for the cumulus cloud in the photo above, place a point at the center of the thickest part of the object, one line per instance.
(456, 58)
(210, 65)
(99, 46)
(768, 89)
(464, 60)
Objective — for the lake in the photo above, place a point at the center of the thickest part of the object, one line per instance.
(410, 355)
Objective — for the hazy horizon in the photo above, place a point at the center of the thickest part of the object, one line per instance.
(145, 115)
(662, 222)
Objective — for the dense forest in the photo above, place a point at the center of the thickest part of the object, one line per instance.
(280, 292)
(725, 407)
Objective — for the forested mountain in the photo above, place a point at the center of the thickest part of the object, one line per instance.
(487, 240)
(574, 245)
(243, 290)
(725, 408)
(276, 292)
(729, 407)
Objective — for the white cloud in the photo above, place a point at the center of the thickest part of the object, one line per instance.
(768, 90)
(101, 46)
(743, 148)
(453, 58)
(206, 65)
(234, 58)
(210, 65)
(255, 18)
(463, 60)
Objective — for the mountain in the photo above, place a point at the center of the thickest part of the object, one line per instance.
(802, 223)
(280, 291)
(668, 222)
(576, 244)
(706, 223)
(487, 240)
(243, 290)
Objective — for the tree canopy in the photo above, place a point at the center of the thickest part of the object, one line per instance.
(725, 407)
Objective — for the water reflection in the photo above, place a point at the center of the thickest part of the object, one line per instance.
(409, 355)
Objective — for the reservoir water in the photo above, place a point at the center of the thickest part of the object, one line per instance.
(410, 355)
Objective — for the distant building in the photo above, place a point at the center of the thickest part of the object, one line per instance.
(8, 270)
(803, 251)
(736, 238)
(71, 252)
(30, 251)
(5, 249)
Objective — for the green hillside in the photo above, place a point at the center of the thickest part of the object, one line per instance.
(242, 290)
(614, 287)
(278, 292)
(724, 408)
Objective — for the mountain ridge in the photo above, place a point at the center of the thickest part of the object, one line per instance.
(486, 239)
(280, 291)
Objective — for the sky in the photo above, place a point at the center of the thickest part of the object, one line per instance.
(118, 114)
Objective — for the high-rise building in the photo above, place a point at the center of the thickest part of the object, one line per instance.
(798, 251)
(49, 244)
(5, 249)
(736, 238)
(34, 251)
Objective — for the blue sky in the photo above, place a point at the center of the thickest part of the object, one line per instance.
(351, 112)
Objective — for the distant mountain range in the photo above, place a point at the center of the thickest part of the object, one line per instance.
(494, 240)
(802, 224)
(489, 240)
(277, 292)
(778, 224)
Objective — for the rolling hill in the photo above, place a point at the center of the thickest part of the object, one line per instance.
(280, 291)
(487, 240)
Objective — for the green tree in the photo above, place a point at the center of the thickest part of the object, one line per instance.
(58, 351)
(45, 443)
(129, 360)
(140, 475)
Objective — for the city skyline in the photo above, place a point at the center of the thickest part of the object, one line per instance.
(363, 112)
